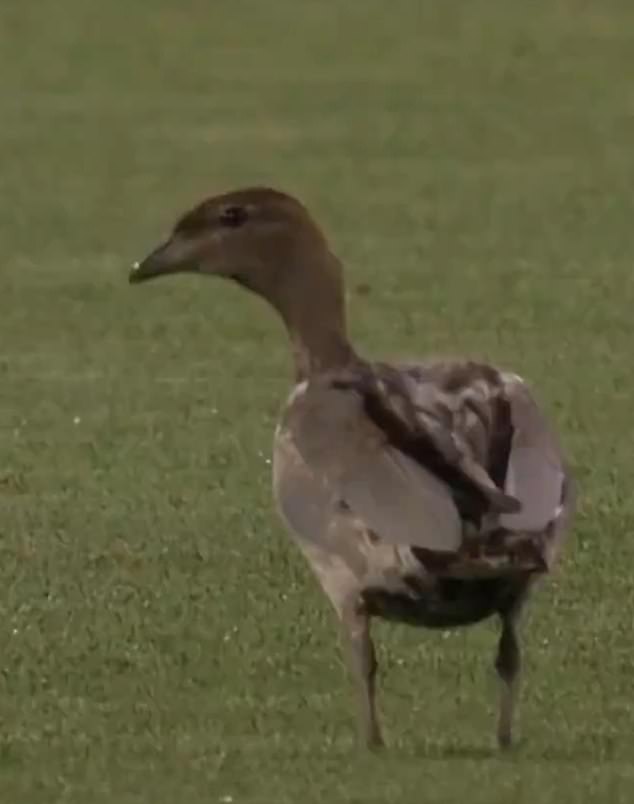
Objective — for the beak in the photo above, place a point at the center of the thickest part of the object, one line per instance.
(170, 257)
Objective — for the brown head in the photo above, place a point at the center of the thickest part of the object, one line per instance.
(267, 242)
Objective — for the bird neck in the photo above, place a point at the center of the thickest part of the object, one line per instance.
(314, 312)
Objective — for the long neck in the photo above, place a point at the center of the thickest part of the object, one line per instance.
(314, 311)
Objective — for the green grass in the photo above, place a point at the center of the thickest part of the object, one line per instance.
(161, 639)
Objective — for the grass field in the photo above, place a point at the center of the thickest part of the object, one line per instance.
(161, 639)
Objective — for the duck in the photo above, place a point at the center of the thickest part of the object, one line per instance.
(433, 493)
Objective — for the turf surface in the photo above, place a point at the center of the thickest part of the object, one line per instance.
(161, 639)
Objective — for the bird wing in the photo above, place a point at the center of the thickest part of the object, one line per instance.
(399, 470)
(496, 417)
(536, 472)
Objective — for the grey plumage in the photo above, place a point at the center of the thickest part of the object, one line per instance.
(391, 475)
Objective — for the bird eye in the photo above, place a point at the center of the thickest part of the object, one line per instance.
(233, 216)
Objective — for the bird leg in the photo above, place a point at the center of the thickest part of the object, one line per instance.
(362, 664)
(507, 665)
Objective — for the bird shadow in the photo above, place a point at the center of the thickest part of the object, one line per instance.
(586, 748)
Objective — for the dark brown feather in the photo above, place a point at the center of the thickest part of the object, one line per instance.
(388, 404)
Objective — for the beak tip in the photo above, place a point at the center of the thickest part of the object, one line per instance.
(134, 273)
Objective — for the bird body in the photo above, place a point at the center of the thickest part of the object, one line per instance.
(429, 493)
(336, 451)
